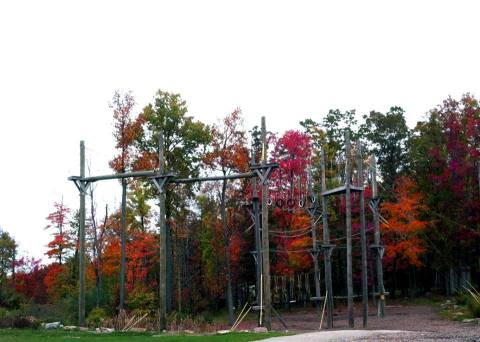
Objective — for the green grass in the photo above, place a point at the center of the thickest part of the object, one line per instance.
(17, 335)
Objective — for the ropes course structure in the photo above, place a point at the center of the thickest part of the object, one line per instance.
(292, 192)
(286, 188)
(160, 178)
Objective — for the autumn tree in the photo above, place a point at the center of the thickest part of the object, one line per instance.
(7, 261)
(185, 143)
(30, 275)
(403, 229)
(97, 235)
(445, 152)
(228, 154)
(292, 151)
(63, 237)
(125, 132)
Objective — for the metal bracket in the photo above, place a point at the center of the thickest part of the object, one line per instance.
(264, 171)
(373, 203)
(314, 211)
(81, 185)
(160, 181)
(254, 254)
(328, 249)
(380, 249)
(250, 213)
(314, 254)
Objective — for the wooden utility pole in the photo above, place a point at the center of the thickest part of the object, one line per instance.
(327, 247)
(377, 246)
(123, 239)
(226, 239)
(363, 237)
(163, 237)
(313, 212)
(81, 235)
(348, 213)
(258, 238)
(267, 298)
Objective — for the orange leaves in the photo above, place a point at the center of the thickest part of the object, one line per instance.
(57, 281)
(403, 246)
(141, 258)
(126, 130)
(228, 146)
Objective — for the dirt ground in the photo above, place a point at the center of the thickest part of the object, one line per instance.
(420, 323)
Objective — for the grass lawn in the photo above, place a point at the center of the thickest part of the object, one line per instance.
(17, 335)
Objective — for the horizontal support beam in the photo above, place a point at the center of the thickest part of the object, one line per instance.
(134, 174)
(147, 174)
(341, 190)
(214, 178)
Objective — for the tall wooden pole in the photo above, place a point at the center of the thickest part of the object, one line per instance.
(315, 251)
(123, 239)
(226, 238)
(258, 239)
(348, 214)
(379, 248)
(163, 238)
(327, 248)
(363, 237)
(81, 237)
(267, 298)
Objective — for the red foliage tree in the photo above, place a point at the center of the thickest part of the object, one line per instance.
(291, 232)
(63, 237)
(29, 279)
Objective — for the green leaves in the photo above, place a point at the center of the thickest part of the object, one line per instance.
(387, 135)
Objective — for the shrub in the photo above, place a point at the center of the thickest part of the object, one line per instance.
(473, 300)
(96, 317)
(474, 307)
(17, 319)
(461, 298)
(141, 300)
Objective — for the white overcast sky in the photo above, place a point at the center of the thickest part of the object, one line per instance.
(60, 62)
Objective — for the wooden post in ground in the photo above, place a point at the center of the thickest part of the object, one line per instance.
(327, 247)
(313, 211)
(363, 237)
(348, 214)
(123, 239)
(377, 241)
(81, 237)
(162, 306)
(267, 298)
(258, 239)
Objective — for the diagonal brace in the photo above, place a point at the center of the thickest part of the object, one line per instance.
(374, 202)
(314, 211)
(380, 249)
(81, 185)
(264, 171)
(160, 181)
(328, 249)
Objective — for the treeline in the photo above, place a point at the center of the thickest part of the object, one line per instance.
(429, 185)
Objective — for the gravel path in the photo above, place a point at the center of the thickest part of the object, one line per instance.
(338, 335)
(408, 323)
